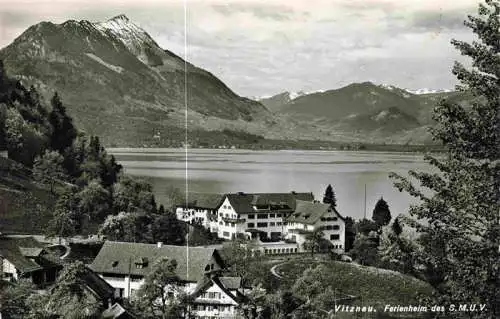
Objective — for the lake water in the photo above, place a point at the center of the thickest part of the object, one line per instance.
(223, 171)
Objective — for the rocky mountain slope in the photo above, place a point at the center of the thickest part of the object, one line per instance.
(118, 83)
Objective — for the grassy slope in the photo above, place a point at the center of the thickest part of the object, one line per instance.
(25, 207)
(374, 286)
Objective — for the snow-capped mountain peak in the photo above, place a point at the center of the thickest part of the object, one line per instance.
(130, 34)
(428, 91)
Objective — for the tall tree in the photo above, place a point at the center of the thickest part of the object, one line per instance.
(329, 197)
(68, 298)
(63, 131)
(48, 169)
(459, 222)
(158, 296)
(66, 218)
(381, 213)
(313, 241)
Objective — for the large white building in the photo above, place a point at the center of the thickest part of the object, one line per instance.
(256, 215)
(312, 216)
(125, 265)
(200, 208)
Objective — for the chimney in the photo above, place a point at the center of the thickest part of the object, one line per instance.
(159, 244)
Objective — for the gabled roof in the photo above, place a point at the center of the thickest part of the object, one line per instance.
(202, 200)
(11, 250)
(117, 311)
(97, 285)
(226, 284)
(120, 258)
(243, 202)
(231, 283)
(310, 212)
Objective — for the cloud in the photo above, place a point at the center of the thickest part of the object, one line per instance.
(259, 47)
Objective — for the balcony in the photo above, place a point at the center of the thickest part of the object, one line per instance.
(233, 220)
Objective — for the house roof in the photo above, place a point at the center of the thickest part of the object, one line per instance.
(310, 212)
(231, 283)
(244, 202)
(226, 284)
(97, 285)
(117, 311)
(116, 257)
(18, 250)
(202, 200)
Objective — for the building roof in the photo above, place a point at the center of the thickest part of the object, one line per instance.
(21, 251)
(120, 258)
(97, 285)
(231, 283)
(226, 284)
(117, 311)
(244, 202)
(310, 212)
(202, 200)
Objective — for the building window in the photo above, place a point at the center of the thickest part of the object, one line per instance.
(228, 207)
(262, 216)
(271, 215)
(261, 224)
(336, 227)
(278, 224)
(225, 234)
(251, 225)
(272, 224)
(278, 215)
(334, 237)
(251, 216)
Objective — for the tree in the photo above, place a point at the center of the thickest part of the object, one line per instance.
(240, 255)
(396, 227)
(381, 213)
(350, 233)
(365, 250)
(66, 219)
(329, 197)
(156, 297)
(459, 222)
(68, 297)
(95, 201)
(313, 241)
(48, 169)
(63, 131)
(365, 227)
(13, 298)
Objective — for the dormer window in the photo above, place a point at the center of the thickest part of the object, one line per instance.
(115, 263)
(141, 263)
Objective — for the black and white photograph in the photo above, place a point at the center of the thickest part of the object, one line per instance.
(249, 159)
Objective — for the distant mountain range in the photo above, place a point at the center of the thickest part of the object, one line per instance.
(382, 110)
(118, 83)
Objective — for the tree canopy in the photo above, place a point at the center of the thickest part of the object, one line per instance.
(459, 222)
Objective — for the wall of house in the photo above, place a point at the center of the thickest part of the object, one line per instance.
(331, 224)
(8, 269)
(194, 214)
(226, 230)
(214, 302)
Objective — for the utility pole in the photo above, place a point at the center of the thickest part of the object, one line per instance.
(365, 201)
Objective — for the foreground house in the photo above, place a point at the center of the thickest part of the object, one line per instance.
(313, 216)
(27, 258)
(257, 215)
(217, 297)
(200, 208)
(125, 265)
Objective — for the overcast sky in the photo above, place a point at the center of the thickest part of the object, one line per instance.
(261, 47)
